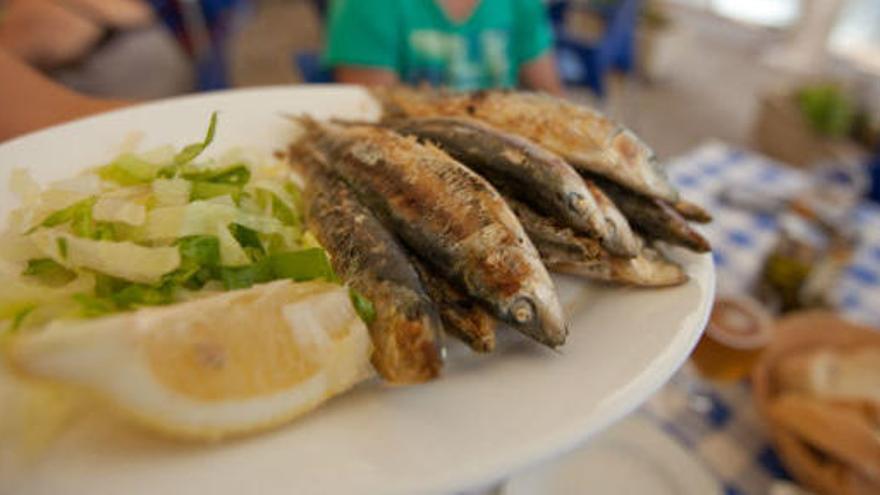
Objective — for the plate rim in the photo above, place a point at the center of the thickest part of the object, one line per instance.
(661, 449)
(220, 93)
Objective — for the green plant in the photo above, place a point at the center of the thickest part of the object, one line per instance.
(828, 109)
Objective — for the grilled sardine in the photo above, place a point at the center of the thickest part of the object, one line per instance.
(654, 218)
(406, 330)
(452, 217)
(564, 251)
(538, 176)
(622, 241)
(584, 137)
(691, 211)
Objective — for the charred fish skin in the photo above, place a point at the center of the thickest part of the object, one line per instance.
(453, 218)
(622, 241)
(407, 329)
(542, 178)
(587, 139)
(651, 269)
(519, 168)
(691, 211)
(648, 269)
(655, 218)
(546, 231)
(462, 316)
(564, 251)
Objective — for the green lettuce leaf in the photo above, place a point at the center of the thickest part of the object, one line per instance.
(306, 264)
(93, 307)
(202, 218)
(282, 199)
(82, 223)
(135, 295)
(116, 294)
(171, 192)
(208, 190)
(49, 272)
(236, 174)
(363, 306)
(17, 293)
(248, 240)
(283, 212)
(75, 211)
(200, 262)
(190, 152)
(125, 259)
(119, 210)
(200, 249)
(18, 319)
(129, 169)
(242, 277)
(300, 266)
(61, 244)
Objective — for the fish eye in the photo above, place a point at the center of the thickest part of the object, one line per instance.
(522, 310)
(612, 228)
(577, 202)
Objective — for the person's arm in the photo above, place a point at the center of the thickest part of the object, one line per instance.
(363, 41)
(30, 101)
(368, 76)
(533, 42)
(51, 33)
(540, 75)
(44, 33)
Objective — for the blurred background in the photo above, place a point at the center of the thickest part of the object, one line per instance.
(767, 112)
(678, 71)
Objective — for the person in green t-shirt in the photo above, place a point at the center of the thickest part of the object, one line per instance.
(461, 44)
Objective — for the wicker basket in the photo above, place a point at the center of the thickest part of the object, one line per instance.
(796, 334)
(781, 132)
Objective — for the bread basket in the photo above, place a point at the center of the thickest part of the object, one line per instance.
(813, 467)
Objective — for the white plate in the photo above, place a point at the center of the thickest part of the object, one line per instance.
(487, 416)
(633, 456)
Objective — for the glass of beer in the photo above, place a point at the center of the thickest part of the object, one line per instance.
(738, 330)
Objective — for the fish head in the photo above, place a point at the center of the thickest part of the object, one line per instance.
(579, 203)
(538, 314)
(529, 301)
(513, 281)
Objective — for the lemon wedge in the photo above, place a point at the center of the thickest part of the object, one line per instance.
(223, 365)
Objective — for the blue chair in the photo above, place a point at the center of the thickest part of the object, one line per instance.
(309, 62)
(203, 28)
(586, 63)
(874, 171)
(311, 68)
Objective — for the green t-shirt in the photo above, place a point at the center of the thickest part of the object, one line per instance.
(416, 40)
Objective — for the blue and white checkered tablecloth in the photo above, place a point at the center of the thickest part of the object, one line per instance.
(718, 422)
(742, 239)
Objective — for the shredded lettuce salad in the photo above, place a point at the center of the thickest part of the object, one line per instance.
(151, 229)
